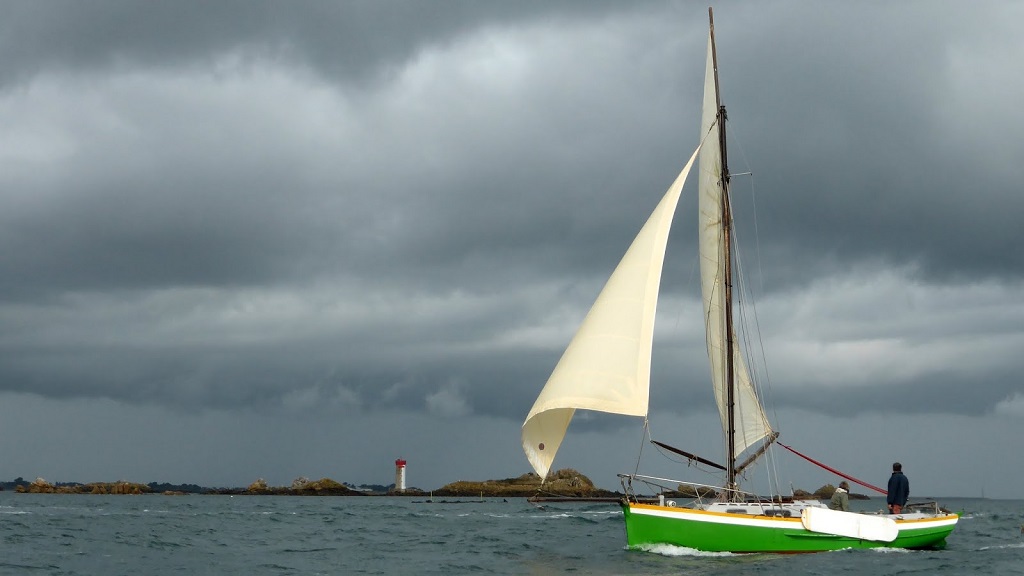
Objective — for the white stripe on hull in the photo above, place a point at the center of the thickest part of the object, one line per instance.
(906, 525)
(716, 518)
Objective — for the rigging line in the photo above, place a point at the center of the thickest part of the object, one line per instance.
(640, 453)
(757, 234)
(745, 290)
(710, 128)
(738, 143)
(764, 355)
(744, 295)
(739, 326)
(760, 274)
(756, 381)
(833, 470)
(761, 377)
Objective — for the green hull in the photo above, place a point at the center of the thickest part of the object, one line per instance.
(721, 532)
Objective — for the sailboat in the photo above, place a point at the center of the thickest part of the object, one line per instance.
(607, 366)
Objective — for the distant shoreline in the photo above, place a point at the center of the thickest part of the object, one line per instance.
(563, 485)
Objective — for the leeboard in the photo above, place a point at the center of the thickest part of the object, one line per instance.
(851, 524)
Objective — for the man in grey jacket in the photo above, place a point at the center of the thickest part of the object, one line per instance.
(841, 498)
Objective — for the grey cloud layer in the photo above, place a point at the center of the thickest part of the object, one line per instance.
(410, 205)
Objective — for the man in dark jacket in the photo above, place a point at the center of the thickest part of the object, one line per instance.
(899, 489)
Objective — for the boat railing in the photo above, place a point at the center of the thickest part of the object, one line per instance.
(925, 507)
(700, 493)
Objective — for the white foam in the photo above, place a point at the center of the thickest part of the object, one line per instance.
(891, 550)
(1003, 546)
(675, 551)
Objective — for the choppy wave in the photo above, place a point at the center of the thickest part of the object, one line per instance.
(267, 535)
(1017, 545)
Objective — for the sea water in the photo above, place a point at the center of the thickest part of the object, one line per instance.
(252, 535)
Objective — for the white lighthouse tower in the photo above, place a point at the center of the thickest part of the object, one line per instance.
(400, 475)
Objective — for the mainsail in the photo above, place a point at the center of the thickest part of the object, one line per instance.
(607, 365)
(751, 425)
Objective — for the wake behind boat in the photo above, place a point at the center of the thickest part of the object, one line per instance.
(607, 366)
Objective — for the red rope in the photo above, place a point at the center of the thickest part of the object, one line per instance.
(833, 470)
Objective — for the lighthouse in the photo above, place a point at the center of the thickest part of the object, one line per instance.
(400, 475)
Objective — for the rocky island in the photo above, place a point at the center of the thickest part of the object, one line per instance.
(300, 487)
(41, 486)
(565, 484)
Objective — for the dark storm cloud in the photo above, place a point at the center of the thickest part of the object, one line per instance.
(387, 205)
(200, 202)
(942, 393)
(869, 128)
(348, 40)
(351, 39)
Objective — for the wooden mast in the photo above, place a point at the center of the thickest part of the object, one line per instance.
(727, 254)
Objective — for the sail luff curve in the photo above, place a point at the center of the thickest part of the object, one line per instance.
(607, 365)
(750, 420)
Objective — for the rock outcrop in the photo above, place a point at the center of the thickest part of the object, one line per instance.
(301, 486)
(566, 483)
(41, 486)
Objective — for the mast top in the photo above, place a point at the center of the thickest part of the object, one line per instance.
(714, 57)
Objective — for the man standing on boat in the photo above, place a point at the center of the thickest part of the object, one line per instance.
(899, 489)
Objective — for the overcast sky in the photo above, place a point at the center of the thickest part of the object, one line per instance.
(265, 239)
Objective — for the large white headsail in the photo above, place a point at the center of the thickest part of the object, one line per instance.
(750, 420)
(607, 365)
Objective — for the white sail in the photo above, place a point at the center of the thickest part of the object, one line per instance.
(607, 365)
(750, 421)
